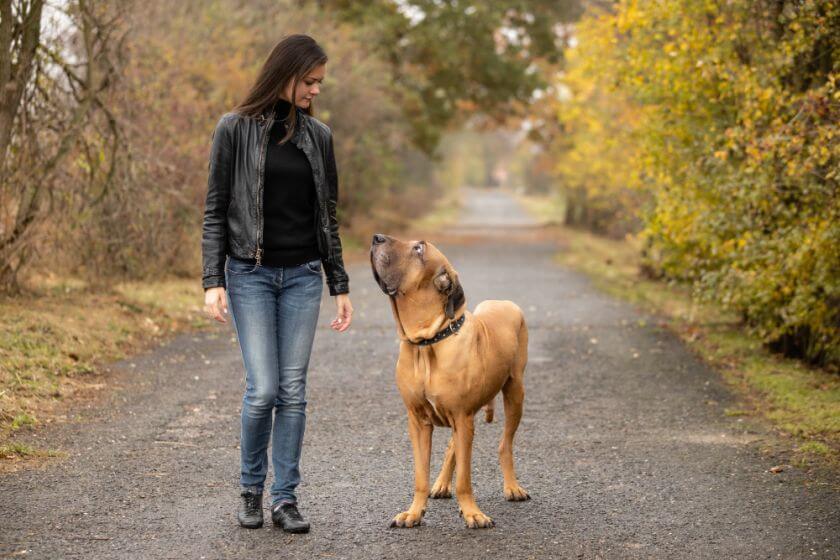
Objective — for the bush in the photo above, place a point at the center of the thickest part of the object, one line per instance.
(737, 142)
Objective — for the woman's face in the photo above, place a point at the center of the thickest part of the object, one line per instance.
(307, 88)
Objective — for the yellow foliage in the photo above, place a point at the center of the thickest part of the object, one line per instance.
(725, 117)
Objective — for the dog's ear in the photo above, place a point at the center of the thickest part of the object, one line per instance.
(446, 281)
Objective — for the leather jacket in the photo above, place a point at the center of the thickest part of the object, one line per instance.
(233, 213)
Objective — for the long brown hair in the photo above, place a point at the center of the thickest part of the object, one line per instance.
(290, 60)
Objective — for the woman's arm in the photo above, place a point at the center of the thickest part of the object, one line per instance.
(337, 279)
(214, 234)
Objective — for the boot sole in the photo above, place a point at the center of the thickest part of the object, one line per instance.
(294, 531)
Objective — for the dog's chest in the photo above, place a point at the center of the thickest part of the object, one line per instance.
(430, 401)
(428, 395)
(430, 381)
(436, 412)
(440, 396)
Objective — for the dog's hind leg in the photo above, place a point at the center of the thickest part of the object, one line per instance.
(442, 487)
(513, 392)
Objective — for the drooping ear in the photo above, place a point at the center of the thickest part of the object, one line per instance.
(446, 281)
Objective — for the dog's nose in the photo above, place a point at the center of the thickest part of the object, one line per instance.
(378, 239)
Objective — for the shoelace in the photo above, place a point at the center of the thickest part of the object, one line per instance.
(292, 512)
(251, 502)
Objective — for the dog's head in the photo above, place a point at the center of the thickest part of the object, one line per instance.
(416, 270)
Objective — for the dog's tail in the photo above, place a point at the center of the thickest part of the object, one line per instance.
(488, 411)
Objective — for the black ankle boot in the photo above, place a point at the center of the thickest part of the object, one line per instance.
(250, 509)
(288, 517)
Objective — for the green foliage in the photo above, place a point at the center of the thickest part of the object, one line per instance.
(729, 114)
(450, 59)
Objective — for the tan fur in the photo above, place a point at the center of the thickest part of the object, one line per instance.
(447, 383)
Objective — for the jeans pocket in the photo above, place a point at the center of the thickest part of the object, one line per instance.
(238, 267)
(314, 266)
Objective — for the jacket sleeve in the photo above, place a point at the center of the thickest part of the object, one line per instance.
(214, 233)
(337, 280)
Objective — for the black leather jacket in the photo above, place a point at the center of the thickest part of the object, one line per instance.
(233, 214)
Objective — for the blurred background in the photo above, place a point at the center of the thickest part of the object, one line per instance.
(704, 133)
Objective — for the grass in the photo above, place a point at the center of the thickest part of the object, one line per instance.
(801, 402)
(53, 338)
(16, 450)
(22, 419)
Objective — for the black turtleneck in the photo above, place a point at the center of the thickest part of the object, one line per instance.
(289, 201)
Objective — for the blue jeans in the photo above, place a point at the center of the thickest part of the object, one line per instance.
(275, 312)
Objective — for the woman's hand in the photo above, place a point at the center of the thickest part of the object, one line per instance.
(344, 314)
(215, 304)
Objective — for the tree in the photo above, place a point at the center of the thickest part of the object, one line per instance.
(57, 65)
(452, 59)
(736, 140)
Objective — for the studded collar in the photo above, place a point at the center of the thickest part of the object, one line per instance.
(453, 328)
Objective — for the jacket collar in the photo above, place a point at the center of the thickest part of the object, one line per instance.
(280, 110)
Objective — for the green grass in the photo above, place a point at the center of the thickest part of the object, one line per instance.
(799, 401)
(53, 338)
(22, 419)
(16, 450)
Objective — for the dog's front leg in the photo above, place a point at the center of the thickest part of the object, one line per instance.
(464, 428)
(420, 431)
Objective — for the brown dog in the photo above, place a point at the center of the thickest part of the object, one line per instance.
(451, 363)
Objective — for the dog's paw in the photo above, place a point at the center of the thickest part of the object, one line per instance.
(439, 492)
(516, 494)
(407, 519)
(478, 520)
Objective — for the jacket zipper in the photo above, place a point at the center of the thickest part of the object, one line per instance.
(260, 185)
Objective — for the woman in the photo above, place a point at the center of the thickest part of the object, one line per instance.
(271, 212)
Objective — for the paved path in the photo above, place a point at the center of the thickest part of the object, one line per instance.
(623, 445)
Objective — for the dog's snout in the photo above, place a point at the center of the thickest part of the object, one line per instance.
(378, 239)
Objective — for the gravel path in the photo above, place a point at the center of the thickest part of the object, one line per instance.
(623, 445)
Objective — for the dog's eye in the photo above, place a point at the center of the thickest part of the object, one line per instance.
(418, 248)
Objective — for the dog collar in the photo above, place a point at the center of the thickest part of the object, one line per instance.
(453, 328)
